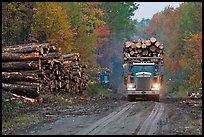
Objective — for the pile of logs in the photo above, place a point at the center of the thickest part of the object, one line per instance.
(142, 48)
(31, 69)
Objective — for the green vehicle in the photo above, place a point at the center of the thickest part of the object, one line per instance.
(144, 78)
(105, 79)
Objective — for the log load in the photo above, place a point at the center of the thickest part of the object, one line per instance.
(141, 48)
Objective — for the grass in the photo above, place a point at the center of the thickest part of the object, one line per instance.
(195, 127)
(15, 112)
(98, 90)
(20, 119)
(56, 99)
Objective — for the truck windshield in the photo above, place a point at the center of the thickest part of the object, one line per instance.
(139, 68)
(106, 79)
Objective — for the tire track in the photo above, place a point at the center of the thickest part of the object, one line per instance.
(100, 124)
(150, 124)
(122, 121)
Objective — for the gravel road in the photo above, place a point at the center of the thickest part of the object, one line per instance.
(113, 116)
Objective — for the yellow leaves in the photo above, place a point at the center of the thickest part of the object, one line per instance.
(52, 24)
(197, 76)
(194, 45)
(194, 38)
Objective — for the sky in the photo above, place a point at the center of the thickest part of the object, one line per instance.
(148, 9)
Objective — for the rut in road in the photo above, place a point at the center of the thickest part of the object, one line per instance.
(127, 120)
(96, 127)
(149, 126)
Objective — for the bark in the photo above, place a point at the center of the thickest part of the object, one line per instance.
(27, 91)
(19, 76)
(9, 56)
(52, 55)
(34, 85)
(26, 99)
(27, 49)
(20, 66)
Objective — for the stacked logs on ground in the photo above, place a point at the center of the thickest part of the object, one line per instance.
(143, 48)
(29, 69)
(64, 73)
(21, 66)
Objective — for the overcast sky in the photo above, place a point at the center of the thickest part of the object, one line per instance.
(148, 9)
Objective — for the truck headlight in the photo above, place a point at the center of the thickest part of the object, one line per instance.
(130, 85)
(155, 86)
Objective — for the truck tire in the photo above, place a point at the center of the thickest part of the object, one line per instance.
(156, 98)
(130, 98)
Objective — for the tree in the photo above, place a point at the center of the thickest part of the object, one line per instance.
(51, 24)
(180, 30)
(16, 22)
(86, 18)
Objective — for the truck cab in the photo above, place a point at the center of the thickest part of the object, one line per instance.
(105, 79)
(144, 81)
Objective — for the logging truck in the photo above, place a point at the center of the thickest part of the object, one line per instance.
(143, 73)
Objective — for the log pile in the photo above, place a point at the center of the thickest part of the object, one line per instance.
(31, 69)
(142, 48)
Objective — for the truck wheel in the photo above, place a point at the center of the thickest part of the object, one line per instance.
(156, 98)
(130, 98)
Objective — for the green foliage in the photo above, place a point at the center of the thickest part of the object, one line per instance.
(180, 30)
(85, 18)
(118, 20)
(98, 90)
(118, 17)
(20, 119)
(142, 24)
(52, 24)
(17, 20)
(13, 108)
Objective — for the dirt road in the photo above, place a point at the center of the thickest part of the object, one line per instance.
(130, 119)
(117, 117)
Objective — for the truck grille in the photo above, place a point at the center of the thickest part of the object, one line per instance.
(143, 83)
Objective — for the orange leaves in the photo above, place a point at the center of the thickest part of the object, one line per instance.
(197, 76)
(103, 30)
(194, 44)
(173, 65)
(52, 24)
(103, 34)
(92, 14)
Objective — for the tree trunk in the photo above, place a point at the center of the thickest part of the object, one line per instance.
(27, 49)
(27, 91)
(52, 55)
(8, 56)
(20, 66)
(153, 40)
(19, 76)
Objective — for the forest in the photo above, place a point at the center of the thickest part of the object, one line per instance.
(180, 30)
(97, 30)
(93, 29)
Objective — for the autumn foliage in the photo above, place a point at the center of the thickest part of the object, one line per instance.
(83, 27)
(181, 31)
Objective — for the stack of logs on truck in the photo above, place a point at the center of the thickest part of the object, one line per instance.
(31, 69)
(143, 48)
